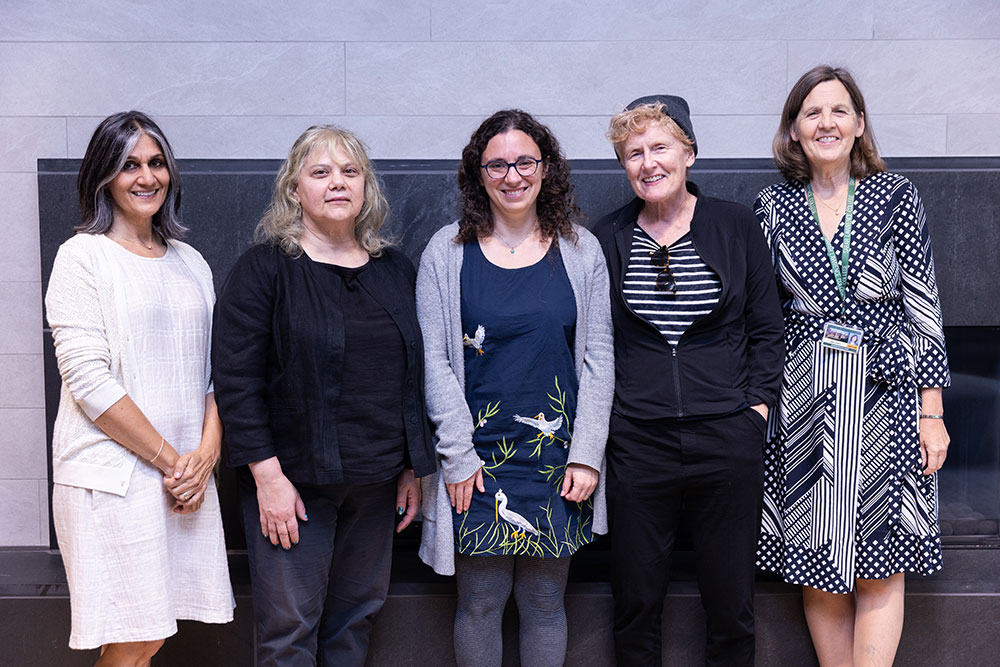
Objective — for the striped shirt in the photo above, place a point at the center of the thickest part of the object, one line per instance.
(698, 286)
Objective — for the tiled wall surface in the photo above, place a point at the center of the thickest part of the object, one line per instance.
(241, 80)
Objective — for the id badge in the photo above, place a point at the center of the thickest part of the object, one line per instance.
(842, 337)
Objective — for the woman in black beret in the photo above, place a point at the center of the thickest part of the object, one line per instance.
(698, 349)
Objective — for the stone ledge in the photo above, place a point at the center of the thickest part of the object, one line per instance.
(951, 617)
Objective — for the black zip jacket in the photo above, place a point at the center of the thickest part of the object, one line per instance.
(727, 359)
(278, 391)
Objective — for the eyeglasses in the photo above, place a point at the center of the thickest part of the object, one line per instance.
(665, 278)
(497, 169)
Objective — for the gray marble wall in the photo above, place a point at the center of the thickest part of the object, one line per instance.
(414, 77)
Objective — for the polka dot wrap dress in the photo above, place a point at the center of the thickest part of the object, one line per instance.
(845, 497)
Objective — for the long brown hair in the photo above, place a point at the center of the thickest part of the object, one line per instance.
(789, 158)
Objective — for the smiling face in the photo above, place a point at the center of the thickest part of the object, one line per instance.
(140, 188)
(513, 197)
(656, 164)
(827, 125)
(331, 189)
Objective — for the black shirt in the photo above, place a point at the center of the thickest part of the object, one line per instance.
(278, 360)
(370, 412)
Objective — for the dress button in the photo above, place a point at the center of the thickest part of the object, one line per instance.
(396, 310)
(413, 419)
(409, 383)
(413, 344)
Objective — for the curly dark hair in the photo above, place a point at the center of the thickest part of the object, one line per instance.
(556, 209)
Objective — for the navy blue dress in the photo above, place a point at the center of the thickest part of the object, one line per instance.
(520, 385)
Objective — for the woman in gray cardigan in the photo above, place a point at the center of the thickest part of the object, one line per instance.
(513, 302)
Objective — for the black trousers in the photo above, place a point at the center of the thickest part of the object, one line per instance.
(711, 473)
(314, 604)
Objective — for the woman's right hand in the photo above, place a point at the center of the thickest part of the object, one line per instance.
(460, 493)
(279, 503)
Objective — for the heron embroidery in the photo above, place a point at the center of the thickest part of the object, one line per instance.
(476, 342)
(500, 505)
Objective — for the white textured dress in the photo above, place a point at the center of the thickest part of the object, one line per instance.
(133, 566)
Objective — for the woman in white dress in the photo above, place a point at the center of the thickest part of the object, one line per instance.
(137, 435)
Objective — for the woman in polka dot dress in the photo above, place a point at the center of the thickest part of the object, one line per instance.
(850, 492)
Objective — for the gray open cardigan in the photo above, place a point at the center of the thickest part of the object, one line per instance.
(439, 309)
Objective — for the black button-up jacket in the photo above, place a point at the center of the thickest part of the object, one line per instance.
(277, 389)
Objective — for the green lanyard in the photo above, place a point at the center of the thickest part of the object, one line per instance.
(839, 269)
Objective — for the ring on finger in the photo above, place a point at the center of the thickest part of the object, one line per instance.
(185, 495)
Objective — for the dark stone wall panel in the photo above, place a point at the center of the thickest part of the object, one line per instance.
(223, 199)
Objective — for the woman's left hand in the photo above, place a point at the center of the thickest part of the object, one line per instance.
(191, 505)
(579, 482)
(189, 479)
(934, 441)
(407, 498)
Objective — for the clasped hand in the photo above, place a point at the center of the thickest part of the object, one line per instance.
(188, 481)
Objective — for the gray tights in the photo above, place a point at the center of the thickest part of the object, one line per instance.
(484, 584)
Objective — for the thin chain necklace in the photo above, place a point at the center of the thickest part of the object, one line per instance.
(517, 245)
(139, 243)
(836, 211)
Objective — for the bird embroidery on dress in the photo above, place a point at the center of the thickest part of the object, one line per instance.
(477, 342)
(548, 428)
(509, 516)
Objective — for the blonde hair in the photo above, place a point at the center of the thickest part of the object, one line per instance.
(282, 222)
(638, 120)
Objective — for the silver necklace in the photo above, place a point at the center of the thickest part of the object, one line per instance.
(139, 243)
(517, 245)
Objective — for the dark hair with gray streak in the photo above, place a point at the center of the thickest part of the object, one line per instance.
(106, 154)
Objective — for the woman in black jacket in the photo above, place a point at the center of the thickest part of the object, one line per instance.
(318, 367)
(698, 350)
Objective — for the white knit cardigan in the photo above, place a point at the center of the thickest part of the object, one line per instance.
(439, 309)
(87, 311)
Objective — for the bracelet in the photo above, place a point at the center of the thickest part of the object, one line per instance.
(158, 451)
(923, 416)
